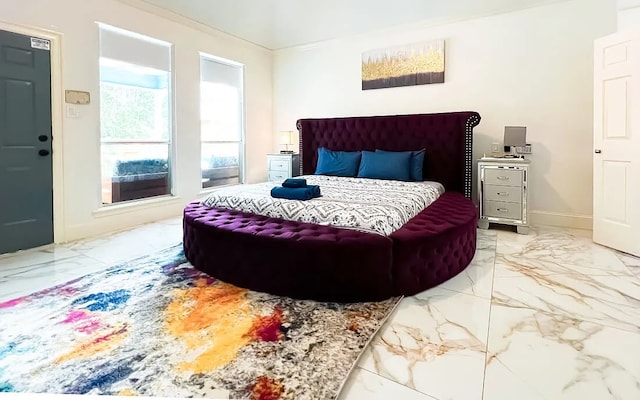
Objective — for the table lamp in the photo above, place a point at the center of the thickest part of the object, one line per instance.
(287, 139)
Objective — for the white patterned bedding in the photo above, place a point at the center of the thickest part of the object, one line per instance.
(370, 205)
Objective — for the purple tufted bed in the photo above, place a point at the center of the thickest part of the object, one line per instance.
(305, 260)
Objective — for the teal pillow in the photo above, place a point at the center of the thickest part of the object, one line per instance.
(417, 161)
(337, 163)
(385, 165)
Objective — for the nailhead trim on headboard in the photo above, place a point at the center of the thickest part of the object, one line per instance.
(473, 120)
(299, 127)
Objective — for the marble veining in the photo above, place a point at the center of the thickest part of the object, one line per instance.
(544, 316)
(486, 240)
(631, 262)
(430, 335)
(365, 385)
(549, 356)
(564, 252)
(33, 259)
(477, 278)
(562, 273)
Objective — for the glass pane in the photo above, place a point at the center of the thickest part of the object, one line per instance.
(220, 112)
(134, 171)
(220, 164)
(135, 131)
(134, 102)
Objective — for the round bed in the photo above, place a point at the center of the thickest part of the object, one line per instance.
(326, 263)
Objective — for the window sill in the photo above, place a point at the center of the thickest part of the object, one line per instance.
(204, 192)
(135, 205)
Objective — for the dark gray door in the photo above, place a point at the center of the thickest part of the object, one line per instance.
(26, 188)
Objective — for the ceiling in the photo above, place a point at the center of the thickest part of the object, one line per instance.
(277, 24)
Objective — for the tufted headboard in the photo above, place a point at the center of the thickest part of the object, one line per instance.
(447, 138)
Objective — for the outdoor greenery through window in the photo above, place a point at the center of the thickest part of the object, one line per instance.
(135, 123)
(221, 115)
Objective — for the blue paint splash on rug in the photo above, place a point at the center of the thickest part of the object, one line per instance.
(13, 348)
(6, 350)
(104, 301)
(6, 387)
(104, 379)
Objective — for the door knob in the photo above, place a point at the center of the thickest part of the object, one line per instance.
(43, 152)
(598, 151)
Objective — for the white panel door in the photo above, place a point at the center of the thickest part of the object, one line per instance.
(616, 142)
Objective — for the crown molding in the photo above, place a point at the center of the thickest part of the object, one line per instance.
(627, 4)
(186, 21)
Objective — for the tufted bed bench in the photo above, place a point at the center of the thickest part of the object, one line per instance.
(326, 263)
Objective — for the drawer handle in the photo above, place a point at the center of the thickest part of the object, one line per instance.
(503, 178)
(504, 194)
(502, 210)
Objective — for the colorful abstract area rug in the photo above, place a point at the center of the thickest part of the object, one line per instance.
(156, 326)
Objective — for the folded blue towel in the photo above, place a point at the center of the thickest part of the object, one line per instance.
(315, 189)
(306, 193)
(294, 183)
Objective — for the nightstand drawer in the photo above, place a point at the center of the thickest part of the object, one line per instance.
(502, 176)
(278, 175)
(501, 209)
(510, 194)
(279, 164)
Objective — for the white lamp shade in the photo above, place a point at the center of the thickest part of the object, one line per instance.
(286, 137)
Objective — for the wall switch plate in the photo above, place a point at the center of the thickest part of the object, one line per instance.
(72, 112)
(495, 147)
(77, 97)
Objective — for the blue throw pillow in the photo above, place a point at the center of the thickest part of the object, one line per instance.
(385, 165)
(417, 161)
(337, 163)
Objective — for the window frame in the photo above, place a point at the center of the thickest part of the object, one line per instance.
(242, 117)
(172, 155)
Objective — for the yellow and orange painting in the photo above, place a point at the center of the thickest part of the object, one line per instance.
(415, 64)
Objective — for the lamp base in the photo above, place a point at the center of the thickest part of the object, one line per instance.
(286, 151)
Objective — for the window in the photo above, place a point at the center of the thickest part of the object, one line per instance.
(221, 119)
(135, 116)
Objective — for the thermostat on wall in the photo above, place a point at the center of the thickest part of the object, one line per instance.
(76, 97)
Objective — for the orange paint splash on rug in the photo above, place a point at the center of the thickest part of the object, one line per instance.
(96, 345)
(354, 319)
(266, 388)
(210, 319)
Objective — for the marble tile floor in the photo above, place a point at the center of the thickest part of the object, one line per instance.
(544, 316)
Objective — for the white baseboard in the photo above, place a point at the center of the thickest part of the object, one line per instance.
(558, 219)
(117, 220)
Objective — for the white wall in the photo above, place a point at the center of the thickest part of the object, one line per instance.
(75, 22)
(531, 67)
(628, 14)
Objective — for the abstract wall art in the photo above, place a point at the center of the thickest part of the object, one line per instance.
(407, 65)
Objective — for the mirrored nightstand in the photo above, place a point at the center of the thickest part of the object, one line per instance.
(504, 192)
